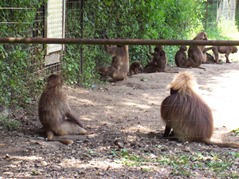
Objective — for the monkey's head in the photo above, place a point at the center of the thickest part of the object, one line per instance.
(234, 49)
(54, 80)
(183, 83)
(201, 36)
(158, 48)
(183, 48)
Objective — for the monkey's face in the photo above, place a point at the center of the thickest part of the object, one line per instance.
(234, 49)
(203, 36)
(183, 48)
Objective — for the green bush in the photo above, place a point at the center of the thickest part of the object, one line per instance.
(19, 63)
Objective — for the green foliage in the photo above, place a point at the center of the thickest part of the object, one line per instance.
(18, 62)
(72, 64)
(9, 124)
(236, 131)
(127, 158)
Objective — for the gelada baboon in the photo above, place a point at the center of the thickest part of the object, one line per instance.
(158, 62)
(197, 54)
(186, 114)
(135, 68)
(55, 113)
(157, 50)
(181, 57)
(119, 68)
(223, 50)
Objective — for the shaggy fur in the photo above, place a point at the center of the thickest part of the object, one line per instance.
(187, 114)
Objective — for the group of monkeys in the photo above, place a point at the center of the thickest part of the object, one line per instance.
(186, 115)
(120, 68)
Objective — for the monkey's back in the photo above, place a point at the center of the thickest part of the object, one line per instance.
(188, 115)
(52, 107)
(179, 57)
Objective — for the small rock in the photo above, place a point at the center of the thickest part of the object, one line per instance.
(7, 156)
(119, 143)
(44, 163)
(143, 79)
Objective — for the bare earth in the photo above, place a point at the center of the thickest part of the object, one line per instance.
(124, 120)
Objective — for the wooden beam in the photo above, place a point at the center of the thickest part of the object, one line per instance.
(117, 41)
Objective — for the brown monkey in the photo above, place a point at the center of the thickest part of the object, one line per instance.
(197, 54)
(55, 113)
(135, 68)
(158, 51)
(119, 68)
(181, 57)
(158, 62)
(223, 50)
(187, 114)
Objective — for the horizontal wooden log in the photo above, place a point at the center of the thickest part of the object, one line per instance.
(117, 41)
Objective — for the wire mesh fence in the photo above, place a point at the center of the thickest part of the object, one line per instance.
(74, 19)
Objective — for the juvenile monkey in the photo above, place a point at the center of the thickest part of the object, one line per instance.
(135, 68)
(54, 112)
(223, 50)
(187, 116)
(181, 57)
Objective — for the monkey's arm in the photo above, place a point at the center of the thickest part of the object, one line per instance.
(149, 58)
(72, 117)
(150, 50)
(216, 53)
(207, 49)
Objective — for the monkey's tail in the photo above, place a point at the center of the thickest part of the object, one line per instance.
(183, 82)
(66, 142)
(226, 144)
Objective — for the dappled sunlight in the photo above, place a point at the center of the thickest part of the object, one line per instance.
(29, 158)
(100, 164)
(138, 109)
(86, 118)
(135, 128)
(142, 106)
(132, 117)
(81, 100)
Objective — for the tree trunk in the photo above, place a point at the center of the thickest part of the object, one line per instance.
(226, 11)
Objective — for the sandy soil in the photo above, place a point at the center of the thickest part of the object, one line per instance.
(124, 116)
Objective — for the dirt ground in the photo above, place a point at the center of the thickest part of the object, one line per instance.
(124, 120)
